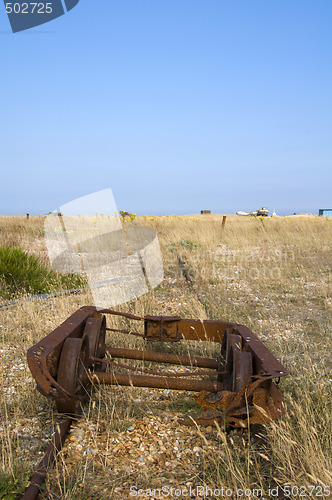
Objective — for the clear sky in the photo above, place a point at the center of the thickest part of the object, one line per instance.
(176, 105)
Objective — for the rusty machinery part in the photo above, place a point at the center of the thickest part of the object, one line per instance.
(56, 443)
(72, 373)
(173, 359)
(242, 393)
(162, 328)
(131, 368)
(128, 332)
(95, 330)
(71, 357)
(238, 363)
(242, 369)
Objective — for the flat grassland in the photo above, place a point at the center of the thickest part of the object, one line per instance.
(271, 274)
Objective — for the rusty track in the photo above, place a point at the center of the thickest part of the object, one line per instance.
(55, 446)
(239, 390)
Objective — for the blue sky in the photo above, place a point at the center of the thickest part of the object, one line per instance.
(176, 105)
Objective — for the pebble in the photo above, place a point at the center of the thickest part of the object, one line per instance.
(89, 451)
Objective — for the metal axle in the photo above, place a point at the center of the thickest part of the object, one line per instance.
(156, 382)
(160, 357)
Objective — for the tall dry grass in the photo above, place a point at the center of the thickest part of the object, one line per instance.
(274, 275)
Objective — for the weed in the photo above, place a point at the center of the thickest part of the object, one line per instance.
(277, 281)
(22, 273)
(12, 486)
(183, 243)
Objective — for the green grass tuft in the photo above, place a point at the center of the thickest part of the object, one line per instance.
(22, 273)
(184, 243)
(12, 488)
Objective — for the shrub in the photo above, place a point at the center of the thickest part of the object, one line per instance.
(183, 243)
(22, 273)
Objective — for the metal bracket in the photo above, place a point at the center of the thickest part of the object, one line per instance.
(162, 328)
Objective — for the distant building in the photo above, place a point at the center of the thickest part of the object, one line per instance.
(325, 211)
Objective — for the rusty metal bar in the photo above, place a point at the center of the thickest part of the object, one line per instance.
(263, 359)
(156, 382)
(188, 329)
(57, 440)
(173, 359)
(127, 332)
(153, 372)
(123, 314)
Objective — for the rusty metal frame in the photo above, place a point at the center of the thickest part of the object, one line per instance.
(241, 394)
(55, 445)
(44, 358)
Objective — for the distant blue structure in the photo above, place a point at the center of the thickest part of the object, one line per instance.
(325, 211)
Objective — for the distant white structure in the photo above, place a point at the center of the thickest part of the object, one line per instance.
(241, 212)
(264, 212)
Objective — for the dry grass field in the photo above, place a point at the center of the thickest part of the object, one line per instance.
(271, 274)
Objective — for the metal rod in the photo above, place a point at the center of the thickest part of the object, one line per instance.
(128, 332)
(118, 313)
(55, 445)
(153, 372)
(156, 382)
(160, 357)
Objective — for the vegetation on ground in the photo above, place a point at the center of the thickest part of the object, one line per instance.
(273, 275)
(22, 273)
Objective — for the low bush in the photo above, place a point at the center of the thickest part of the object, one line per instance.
(22, 273)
